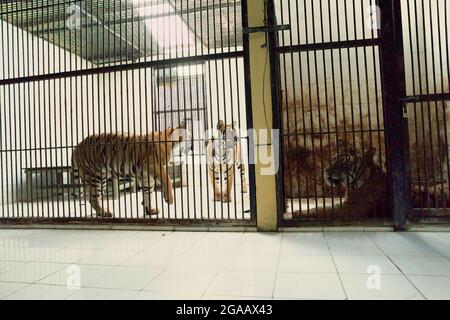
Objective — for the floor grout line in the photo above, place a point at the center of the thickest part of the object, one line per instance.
(170, 263)
(278, 266)
(221, 269)
(335, 266)
(399, 269)
(414, 234)
(413, 239)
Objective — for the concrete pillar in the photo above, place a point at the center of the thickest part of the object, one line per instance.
(266, 191)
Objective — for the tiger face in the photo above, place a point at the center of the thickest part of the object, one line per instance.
(228, 132)
(349, 167)
(182, 139)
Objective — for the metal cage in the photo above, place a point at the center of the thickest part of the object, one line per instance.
(73, 69)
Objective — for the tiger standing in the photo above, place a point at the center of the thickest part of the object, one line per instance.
(143, 157)
(223, 156)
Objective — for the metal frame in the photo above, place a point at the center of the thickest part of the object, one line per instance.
(85, 73)
(393, 84)
(392, 79)
(425, 104)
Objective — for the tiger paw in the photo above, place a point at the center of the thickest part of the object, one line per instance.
(168, 198)
(151, 212)
(226, 199)
(105, 214)
(218, 197)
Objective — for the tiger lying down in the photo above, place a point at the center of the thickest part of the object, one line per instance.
(143, 157)
(365, 183)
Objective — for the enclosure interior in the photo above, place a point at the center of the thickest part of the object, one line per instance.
(331, 82)
(79, 68)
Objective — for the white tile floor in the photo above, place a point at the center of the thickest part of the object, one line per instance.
(71, 264)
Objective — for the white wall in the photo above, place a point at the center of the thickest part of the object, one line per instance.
(43, 116)
(426, 54)
(50, 117)
(334, 82)
(31, 113)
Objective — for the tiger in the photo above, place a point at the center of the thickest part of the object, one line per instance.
(223, 156)
(143, 157)
(364, 182)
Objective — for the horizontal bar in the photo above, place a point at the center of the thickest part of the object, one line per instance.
(329, 45)
(309, 133)
(431, 213)
(49, 148)
(266, 28)
(123, 67)
(32, 8)
(320, 222)
(427, 98)
(93, 221)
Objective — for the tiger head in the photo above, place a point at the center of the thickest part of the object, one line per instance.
(181, 137)
(228, 133)
(350, 167)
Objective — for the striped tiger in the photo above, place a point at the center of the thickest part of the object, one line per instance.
(101, 157)
(365, 183)
(223, 155)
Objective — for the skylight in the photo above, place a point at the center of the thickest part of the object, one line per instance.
(167, 27)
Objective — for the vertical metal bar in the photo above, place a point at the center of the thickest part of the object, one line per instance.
(104, 78)
(22, 124)
(4, 212)
(39, 70)
(138, 174)
(13, 120)
(428, 107)
(183, 103)
(421, 105)
(305, 132)
(444, 194)
(436, 111)
(210, 94)
(285, 128)
(350, 86)
(336, 129)
(319, 113)
(413, 79)
(133, 114)
(341, 77)
(249, 114)
(48, 127)
(312, 132)
(118, 101)
(276, 105)
(54, 119)
(369, 88)
(444, 106)
(393, 84)
(236, 170)
(7, 100)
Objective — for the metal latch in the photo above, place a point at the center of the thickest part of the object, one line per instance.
(272, 28)
(405, 111)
